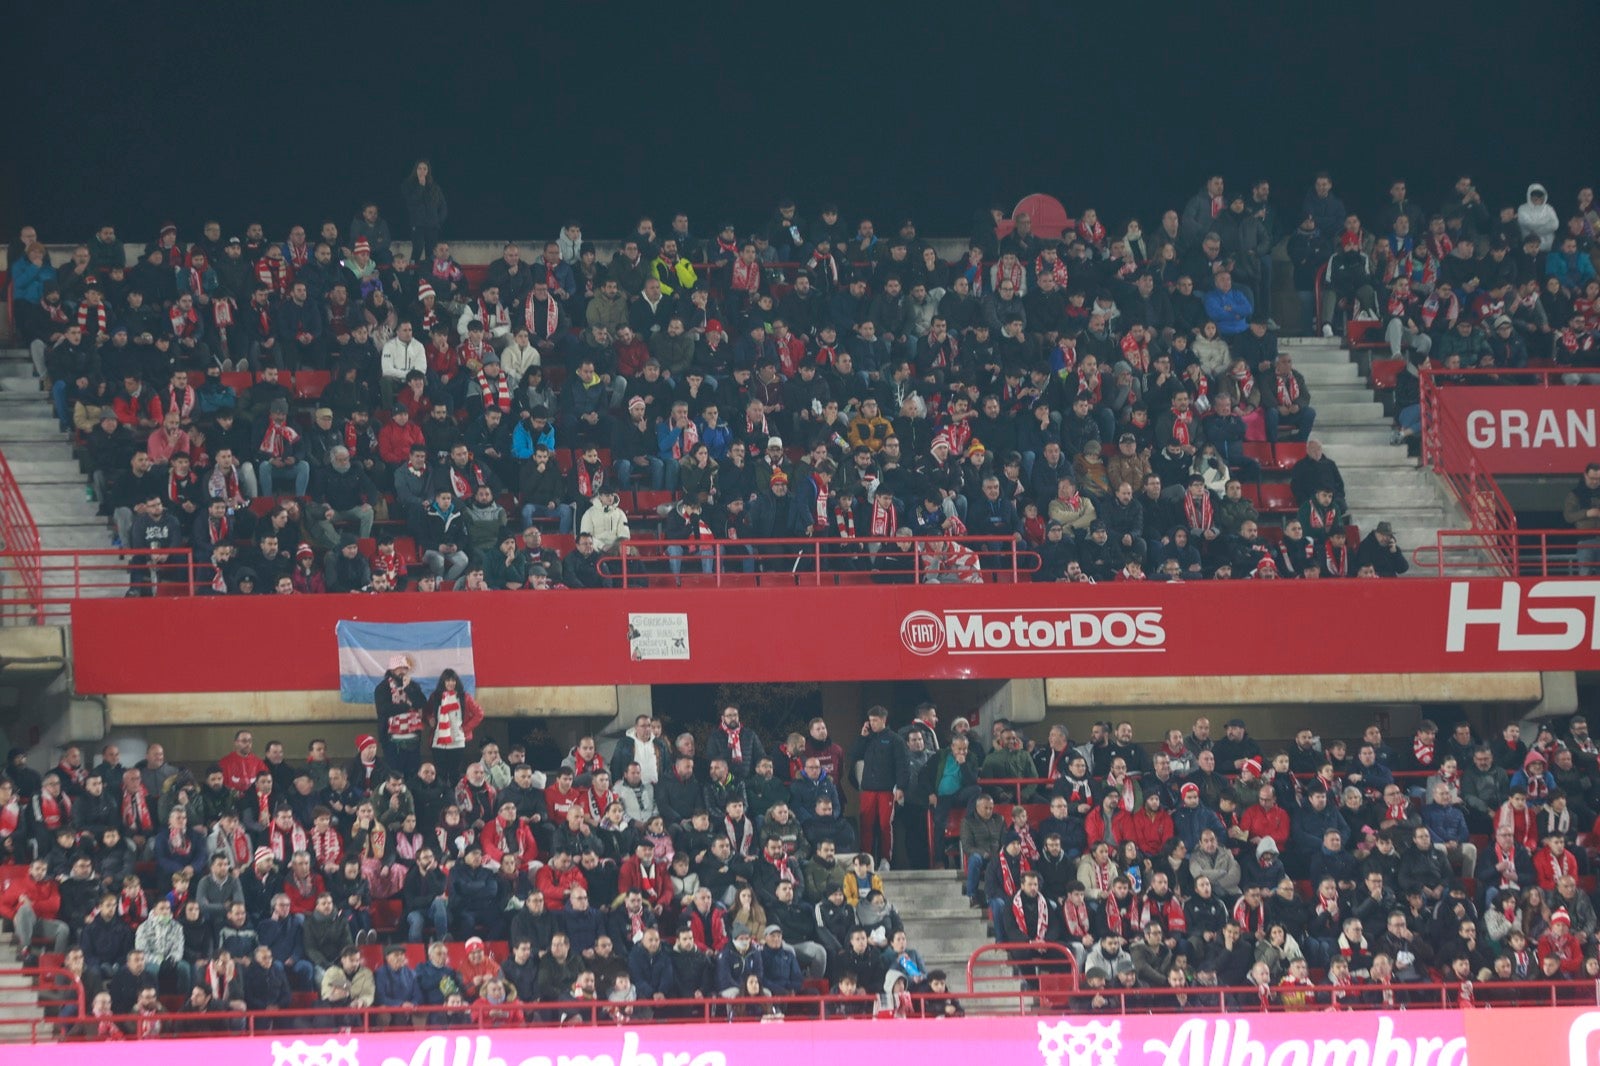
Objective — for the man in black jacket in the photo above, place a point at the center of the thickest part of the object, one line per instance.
(400, 703)
(885, 766)
(155, 532)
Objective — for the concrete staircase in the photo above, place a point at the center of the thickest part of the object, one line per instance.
(1382, 483)
(19, 1003)
(41, 458)
(939, 922)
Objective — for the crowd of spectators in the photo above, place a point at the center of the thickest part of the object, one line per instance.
(805, 379)
(661, 873)
(1344, 869)
(1333, 869)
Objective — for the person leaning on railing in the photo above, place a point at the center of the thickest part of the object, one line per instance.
(1581, 510)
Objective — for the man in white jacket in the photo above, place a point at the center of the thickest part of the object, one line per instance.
(1537, 218)
(606, 522)
(403, 354)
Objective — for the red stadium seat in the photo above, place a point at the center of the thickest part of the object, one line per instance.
(646, 501)
(238, 380)
(1261, 452)
(1287, 453)
(1277, 499)
(1364, 334)
(386, 914)
(308, 384)
(1385, 372)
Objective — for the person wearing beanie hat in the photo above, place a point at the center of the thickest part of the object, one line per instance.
(400, 704)
(1559, 943)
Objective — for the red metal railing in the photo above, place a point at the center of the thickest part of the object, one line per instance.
(53, 579)
(1463, 553)
(1446, 451)
(817, 561)
(19, 563)
(1046, 998)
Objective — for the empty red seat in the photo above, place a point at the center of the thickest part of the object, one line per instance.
(1277, 499)
(560, 543)
(386, 915)
(564, 460)
(554, 375)
(1287, 453)
(1385, 372)
(1261, 452)
(308, 384)
(1251, 493)
(646, 502)
(406, 548)
(238, 380)
(1365, 333)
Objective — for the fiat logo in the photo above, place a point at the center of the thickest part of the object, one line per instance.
(922, 632)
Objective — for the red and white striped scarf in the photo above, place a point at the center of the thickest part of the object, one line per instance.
(1041, 922)
(1056, 269)
(1198, 513)
(284, 845)
(1014, 273)
(1338, 559)
(279, 437)
(1288, 389)
(326, 847)
(136, 814)
(52, 811)
(1182, 422)
(496, 392)
(552, 317)
(1076, 915)
(222, 309)
(746, 276)
(297, 254)
(884, 521)
(1422, 752)
(184, 323)
(56, 311)
(92, 318)
(500, 316)
(820, 520)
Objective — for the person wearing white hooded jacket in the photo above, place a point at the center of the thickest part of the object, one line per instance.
(1537, 218)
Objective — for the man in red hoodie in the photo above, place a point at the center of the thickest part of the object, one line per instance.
(1266, 819)
(31, 904)
(1151, 827)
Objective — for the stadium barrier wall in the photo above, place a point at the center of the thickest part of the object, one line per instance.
(866, 633)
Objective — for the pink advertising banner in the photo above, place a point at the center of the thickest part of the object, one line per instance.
(1318, 1038)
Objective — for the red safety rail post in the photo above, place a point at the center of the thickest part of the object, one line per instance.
(20, 545)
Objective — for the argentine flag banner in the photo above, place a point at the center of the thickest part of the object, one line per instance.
(367, 648)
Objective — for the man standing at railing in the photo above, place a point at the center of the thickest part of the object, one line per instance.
(153, 535)
(1582, 511)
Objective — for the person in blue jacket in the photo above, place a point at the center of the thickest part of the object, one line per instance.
(1227, 306)
(395, 983)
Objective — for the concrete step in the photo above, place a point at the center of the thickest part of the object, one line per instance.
(1317, 374)
(43, 472)
(1325, 356)
(1385, 456)
(1342, 393)
(53, 451)
(69, 538)
(1367, 433)
(1341, 411)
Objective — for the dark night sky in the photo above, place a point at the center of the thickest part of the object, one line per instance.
(288, 112)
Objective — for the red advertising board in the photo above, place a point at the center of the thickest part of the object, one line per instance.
(1527, 429)
(863, 633)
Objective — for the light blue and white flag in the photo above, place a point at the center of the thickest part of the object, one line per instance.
(366, 648)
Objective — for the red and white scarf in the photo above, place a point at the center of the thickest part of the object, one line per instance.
(1014, 273)
(1182, 423)
(405, 723)
(820, 519)
(284, 844)
(735, 743)
(496, 392)
(326, 847)
(136, 814)
(1076, 915)
(1056, 268)
(746, 276)
(280, 436)
(1288, 389)
(884, 521)
(52, 811)
(181, 401)
(1198, 513)
(1338, 559)
(184, 323)
(590, 481)
(92, 318)
(552, 317)
(1041, 922)
(1422, 752)
(459, 483)
(448, 732)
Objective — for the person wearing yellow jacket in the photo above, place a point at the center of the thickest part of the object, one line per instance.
(676, 275)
